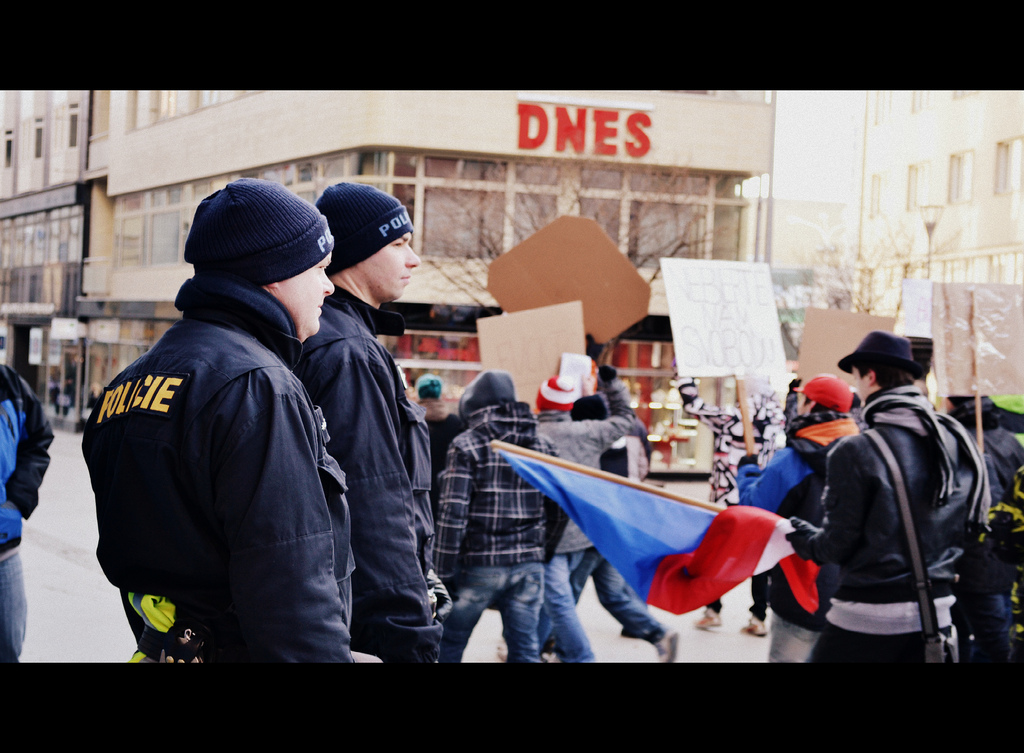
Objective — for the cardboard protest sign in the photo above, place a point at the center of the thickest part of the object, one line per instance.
(978, 338)
(723, 316)
(529, 344)
(831, 334)
(572, 259)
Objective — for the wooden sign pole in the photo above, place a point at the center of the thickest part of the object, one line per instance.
(748, 427)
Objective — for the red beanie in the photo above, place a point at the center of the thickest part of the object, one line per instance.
(556, 393)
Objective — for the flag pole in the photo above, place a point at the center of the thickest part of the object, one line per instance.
(613, 477)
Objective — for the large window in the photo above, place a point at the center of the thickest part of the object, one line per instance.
(1008, 166)
(960, 177)
(917, 186)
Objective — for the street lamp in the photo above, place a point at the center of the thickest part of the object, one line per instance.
(930, 214)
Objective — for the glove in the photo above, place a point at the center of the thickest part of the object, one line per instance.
(607, 373)
(440, 599)
(801, 535)
(747, 460)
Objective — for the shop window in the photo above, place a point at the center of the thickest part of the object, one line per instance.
(537, 175)
(598, 178)
(605, 212)
(463, 223)
(439, 167)
(166, 238)
(658, 229)
(728, 233)
(533, 212)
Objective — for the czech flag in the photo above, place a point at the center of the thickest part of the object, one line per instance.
(677, 554)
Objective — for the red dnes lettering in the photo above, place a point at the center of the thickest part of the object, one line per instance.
(573, 127)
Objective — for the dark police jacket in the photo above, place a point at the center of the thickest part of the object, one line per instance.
(213, 485)
(381, 441)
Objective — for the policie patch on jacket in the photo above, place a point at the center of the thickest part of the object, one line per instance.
(154, 394)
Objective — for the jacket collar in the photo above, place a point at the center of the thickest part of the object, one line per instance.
(232, 301)
(378, 321)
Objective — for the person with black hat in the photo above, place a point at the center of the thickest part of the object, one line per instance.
(378, 436)
(221, 516)
(881, 612)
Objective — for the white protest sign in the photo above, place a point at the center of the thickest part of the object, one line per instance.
(579, 369)
(917, 308)
(723, 317)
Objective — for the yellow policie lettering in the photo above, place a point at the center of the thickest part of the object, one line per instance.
(166, 393)
(151, 393)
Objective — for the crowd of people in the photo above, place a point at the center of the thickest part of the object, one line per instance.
(269, 488)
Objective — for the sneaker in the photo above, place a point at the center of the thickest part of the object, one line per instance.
(755, 627)
(502, 650)
(667, 647)
(711, 619)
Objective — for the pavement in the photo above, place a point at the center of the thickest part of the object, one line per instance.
(75, 615)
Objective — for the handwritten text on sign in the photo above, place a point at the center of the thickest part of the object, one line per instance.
(724, 319)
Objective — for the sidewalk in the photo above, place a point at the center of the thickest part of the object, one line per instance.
(75, 615)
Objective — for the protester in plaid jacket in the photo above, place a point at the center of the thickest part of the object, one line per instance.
(494, 530)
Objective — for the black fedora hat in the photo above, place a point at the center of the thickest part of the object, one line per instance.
(885, 349)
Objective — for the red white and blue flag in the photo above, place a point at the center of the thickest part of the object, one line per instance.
(676, 556)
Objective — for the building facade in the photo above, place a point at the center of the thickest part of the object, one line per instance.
(952, 158)
(44, 220)
(480, 171)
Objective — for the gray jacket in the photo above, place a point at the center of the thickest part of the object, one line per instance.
(583, 442)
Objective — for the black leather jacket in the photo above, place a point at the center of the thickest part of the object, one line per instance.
(862, 531)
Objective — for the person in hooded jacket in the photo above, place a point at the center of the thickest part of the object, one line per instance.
(791, 485)
(221, 516)
(494, 530)
(444, 427)
(984, 581)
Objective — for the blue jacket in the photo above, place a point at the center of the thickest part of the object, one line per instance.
(212, 481)
(25, 435)
(792, 485)
(381, 441)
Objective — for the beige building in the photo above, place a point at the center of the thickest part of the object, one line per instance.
(44, 216)
(960, 153)
(480, 171)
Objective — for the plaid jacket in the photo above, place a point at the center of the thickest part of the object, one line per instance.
(488, 514)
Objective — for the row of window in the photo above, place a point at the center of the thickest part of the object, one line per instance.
(146, 107)
(477, 208)
(1009, 177)
(882, 106)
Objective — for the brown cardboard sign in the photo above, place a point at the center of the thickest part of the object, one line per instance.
(572, 259)
(529, 344)
(978, 338)
(830, 335)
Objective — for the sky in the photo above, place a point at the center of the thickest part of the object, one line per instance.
(816, 138)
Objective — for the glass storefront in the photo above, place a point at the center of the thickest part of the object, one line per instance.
(680, 444)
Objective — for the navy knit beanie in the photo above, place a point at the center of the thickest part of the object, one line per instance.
(258, 230)
(363, 219)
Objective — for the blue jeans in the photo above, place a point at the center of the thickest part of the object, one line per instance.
(13, 609)
(559, 613)
(988, 618)
(616, 596)
(517, 591)
(790, 644)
